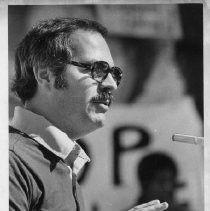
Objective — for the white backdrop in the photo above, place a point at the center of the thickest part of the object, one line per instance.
(150, 124)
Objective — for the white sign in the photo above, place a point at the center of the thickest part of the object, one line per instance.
(131, 132)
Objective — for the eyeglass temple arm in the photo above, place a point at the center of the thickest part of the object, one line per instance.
(79, 64)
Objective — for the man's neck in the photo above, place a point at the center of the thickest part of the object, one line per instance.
(43, 109)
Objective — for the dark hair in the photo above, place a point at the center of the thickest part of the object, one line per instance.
(153, 163)
(48, 44)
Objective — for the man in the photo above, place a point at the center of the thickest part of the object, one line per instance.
(65, 77)
(158, 178)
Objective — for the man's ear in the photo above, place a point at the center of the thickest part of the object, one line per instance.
(43, 77)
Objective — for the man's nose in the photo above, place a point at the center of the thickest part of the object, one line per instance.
(109, 83)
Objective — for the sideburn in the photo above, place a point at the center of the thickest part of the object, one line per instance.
(60, 81)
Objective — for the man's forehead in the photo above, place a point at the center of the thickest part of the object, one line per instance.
(84, 35)
(90, 45)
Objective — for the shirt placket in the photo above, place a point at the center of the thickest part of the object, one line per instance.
(74, 188)
(70, 160)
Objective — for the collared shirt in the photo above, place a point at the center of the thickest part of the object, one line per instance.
(35, 179)
(50, 137)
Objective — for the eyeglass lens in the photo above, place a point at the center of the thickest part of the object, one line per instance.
(101, 70)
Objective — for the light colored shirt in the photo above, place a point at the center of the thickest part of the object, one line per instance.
(50, 137)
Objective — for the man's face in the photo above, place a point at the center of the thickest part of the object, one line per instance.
(81, 107)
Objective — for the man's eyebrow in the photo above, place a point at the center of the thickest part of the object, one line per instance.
(86, 61)
(89, 60)
(83, 59)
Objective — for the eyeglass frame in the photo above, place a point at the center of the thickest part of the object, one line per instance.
(91, 67)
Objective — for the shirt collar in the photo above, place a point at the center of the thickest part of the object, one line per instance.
(50, 137)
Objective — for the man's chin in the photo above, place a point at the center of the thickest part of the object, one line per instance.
(98, 119)
(97, 114)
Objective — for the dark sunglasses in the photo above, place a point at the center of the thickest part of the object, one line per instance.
(100, 70)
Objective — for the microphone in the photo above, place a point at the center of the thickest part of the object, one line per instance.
(188, 139)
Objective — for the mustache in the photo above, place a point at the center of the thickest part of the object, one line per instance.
(103, 97)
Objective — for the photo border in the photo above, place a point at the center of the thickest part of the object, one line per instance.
(4, 172)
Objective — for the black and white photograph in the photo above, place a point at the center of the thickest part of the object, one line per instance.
(105, 105)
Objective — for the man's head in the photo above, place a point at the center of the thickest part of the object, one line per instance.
(157, 173)
(50, 82)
